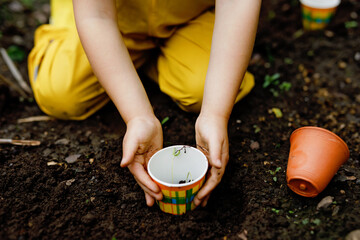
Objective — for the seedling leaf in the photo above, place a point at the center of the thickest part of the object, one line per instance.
(351, 24)
(164, 120)
(316, 221)
(271, 80)
(275, 210)
(285, 86)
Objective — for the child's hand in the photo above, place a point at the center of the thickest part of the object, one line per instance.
(212, 139)
(142, 139)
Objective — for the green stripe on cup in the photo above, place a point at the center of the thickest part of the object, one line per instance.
(309, 18)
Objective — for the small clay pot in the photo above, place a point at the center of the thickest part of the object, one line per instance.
(316, 154)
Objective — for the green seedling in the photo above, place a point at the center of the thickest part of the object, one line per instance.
(305, 221)
(274, 92)
(275, 85)
(316, 221)
(274, 172)
(188, 178)
(351, 24)
(285, 86)
(271, 80)
(175, 154)
(164, 120)
(275, 210)
(256, 128)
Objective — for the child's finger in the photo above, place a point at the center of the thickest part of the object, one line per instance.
(144, 179)
(129, 151)
(205, 200)
(215, 154)
(149, 199)
(157, 196)
(210, 184)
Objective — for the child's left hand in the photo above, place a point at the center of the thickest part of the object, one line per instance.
(212, 139)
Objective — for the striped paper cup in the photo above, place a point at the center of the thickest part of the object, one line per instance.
(180, 172)
(316, 14)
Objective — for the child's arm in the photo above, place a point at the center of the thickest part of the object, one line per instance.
(96, 22)
(232, 44)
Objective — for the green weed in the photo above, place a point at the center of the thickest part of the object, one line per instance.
(275, 85)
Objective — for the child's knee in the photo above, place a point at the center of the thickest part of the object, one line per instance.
(190, 97)
(58, 101)
(62, 79)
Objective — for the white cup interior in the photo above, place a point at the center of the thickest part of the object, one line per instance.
(173, 164)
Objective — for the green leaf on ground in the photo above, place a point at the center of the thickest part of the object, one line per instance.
(277, 112)
(285, 86)
(164, 120)
(16, 53)
(256, 128)
(271, 80)
(351, 24)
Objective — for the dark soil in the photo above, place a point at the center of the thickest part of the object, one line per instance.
(93, 198)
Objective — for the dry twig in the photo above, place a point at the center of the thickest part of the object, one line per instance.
(35, 119)
(13, 86)
(15, 72)
(20, 142)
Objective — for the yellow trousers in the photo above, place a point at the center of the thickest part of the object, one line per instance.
(65, 86)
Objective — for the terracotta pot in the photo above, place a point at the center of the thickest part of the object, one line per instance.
(316, 154)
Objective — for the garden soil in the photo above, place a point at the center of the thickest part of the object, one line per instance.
(72, 187)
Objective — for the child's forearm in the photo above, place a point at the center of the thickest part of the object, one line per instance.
(97, 26)
(232, 44)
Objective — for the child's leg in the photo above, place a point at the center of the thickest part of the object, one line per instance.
(183, 62)
(60, 75)
(63, 83)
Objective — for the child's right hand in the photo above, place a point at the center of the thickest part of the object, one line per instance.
(142, 139)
